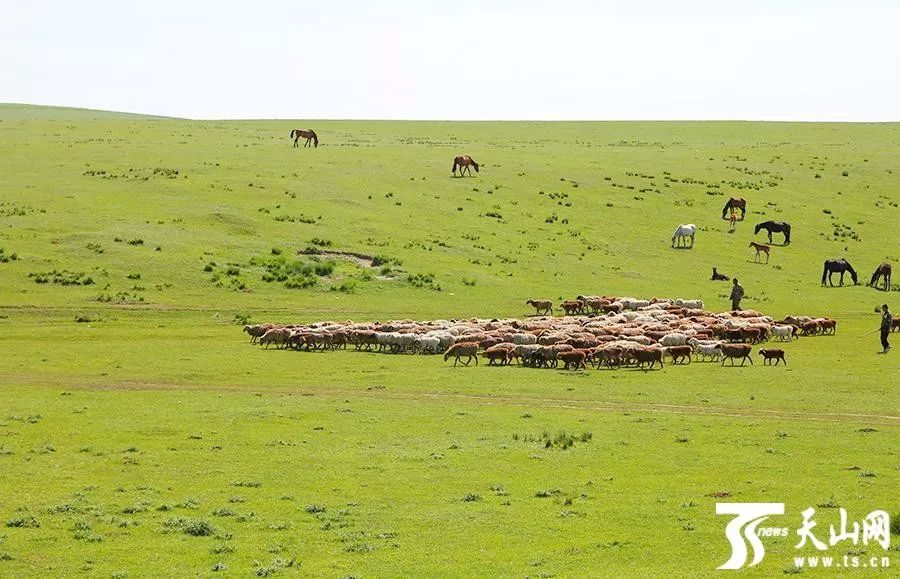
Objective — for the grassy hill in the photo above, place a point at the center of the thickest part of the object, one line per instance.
(159, 234)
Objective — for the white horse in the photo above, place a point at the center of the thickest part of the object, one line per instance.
(682, 232)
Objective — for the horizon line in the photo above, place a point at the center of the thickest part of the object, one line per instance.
(444, 120)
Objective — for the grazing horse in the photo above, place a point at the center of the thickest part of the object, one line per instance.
(883, 271)
(760, 248)
(684, 231)
(775, 227)
(840, 266)
(735, 203)
(309, 135)
(465, 163)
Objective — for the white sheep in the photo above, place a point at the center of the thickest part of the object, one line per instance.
(786, 333)
(428, 344)
(674, 339)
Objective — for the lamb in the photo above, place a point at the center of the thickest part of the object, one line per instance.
(690, 304)
(770, 354)
(467, 349)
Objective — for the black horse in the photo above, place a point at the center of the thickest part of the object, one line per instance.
(775, 227)
(840, 266)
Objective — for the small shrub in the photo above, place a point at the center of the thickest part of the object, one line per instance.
(24, 522)
(248, 484)
(192, 527)
(471, 498)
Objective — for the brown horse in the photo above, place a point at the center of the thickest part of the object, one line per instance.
(735, 203)
(465, 163)
(309, 135)
(760, 248)
(883, 271)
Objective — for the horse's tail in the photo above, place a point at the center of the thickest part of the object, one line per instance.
(292, 132)
(454, 166)
(824, 272)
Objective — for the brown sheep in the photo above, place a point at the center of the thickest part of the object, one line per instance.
(572, 307)
(573, 359)
(680, 352)
(277, 336)
(541, 307)
(827, 326)
(503, 355)
(751, 334)
(468, 349)
(733, 351)
(648, 355)
(609, 356)
(257, 331)
(770, 354)
(809, 328)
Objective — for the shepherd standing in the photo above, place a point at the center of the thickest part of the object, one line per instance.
(737, 294)
(886, 321)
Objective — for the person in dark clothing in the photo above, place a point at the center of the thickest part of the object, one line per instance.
(737, 294)
(886, 321)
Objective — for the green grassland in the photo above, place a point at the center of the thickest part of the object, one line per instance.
(141, 435)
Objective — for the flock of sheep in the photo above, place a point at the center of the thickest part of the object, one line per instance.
(603, 331)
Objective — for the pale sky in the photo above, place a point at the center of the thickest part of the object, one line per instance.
(458, 59)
